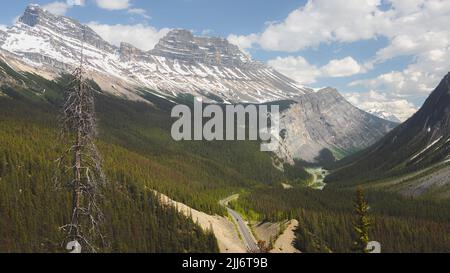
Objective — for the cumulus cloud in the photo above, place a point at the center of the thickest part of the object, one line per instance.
(296, 68)
(417, 79)
(382, 104)
(299, 69)
(140, 35)
(244, 42)
(391, 105)
(122, 5)
(324, 21)
(61, 8)
(342, 68)
(417, 29)
(113, 4)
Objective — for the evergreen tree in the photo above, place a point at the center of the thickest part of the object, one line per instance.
(362, 225)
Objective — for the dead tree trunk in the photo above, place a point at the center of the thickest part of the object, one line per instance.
(82, 163)
(76, 191)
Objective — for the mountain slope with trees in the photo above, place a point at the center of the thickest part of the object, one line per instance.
(326, 219)
(139, 157)
(421, 143)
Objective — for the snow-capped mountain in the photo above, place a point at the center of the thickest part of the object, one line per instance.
(179, 63)
(384, 115)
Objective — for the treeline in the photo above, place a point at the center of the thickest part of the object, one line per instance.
(326, 219)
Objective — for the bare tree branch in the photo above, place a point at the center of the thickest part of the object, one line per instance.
(81, 162)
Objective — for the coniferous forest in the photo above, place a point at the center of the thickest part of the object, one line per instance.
(139, 157)
(327, 219)
(33, 209)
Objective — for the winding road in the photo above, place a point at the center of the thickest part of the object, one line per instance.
(243, 228)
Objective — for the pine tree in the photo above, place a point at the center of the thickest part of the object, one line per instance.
(362, 225)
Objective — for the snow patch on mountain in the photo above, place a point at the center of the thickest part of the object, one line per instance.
(179, 63)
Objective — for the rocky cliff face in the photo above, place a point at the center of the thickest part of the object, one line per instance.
(182, 45)
(326, 121)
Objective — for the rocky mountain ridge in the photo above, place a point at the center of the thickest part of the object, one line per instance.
(181, 64)
(178, 64)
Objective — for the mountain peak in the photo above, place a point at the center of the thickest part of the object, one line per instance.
(447, 78)
(330, 93)
(183, 45)
(179, 34)
(35, 19)
(33, 15)
(328, 90)
(435, 112)
(184, 34)
(180, 63)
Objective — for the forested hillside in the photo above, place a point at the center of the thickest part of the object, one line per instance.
(421, 142)
(327, 217)
(139, 157)
(33, 209)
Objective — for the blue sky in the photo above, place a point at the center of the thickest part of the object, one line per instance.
(223, 17)
(364, 48)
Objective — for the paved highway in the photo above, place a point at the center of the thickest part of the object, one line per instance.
(244, 230)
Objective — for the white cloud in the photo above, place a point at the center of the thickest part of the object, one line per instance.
(3, 27)
(406, 6)
(242, 41)
(324, 21)
(417, 29)
(113, 4)
(417, 79)
(342, 68)
(122, 5)
(58, 8)
(296, 68)
(140, 35)
(76, 2)
(382, 104)
(61, 8)
(299, 69)
(388, 104)
(140, 12)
